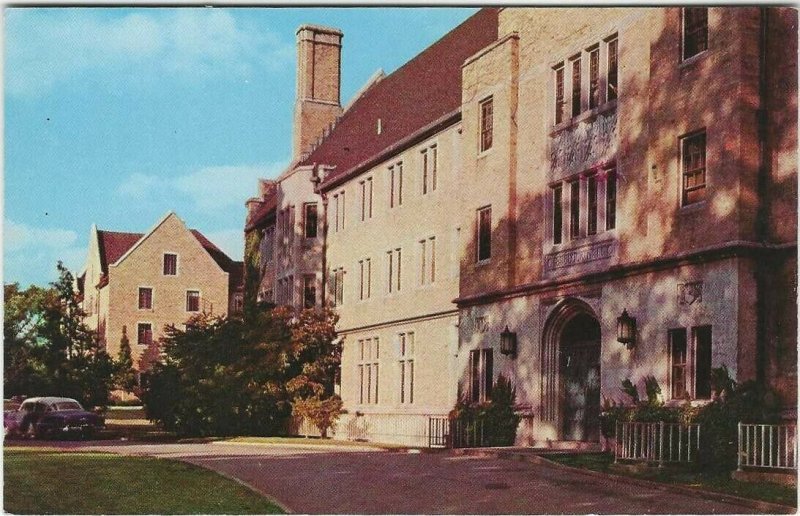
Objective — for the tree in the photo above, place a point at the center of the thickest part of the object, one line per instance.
(49, 350)
(232, 376)
(125, 378)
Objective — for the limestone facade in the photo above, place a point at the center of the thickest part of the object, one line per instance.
(596, 161)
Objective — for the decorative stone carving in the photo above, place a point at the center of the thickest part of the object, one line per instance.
(585, 145)
(690, 293)
(481, 324)
(585, 254)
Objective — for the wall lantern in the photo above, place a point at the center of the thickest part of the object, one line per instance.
(626, 329)
(508, 342)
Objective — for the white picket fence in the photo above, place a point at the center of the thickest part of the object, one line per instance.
(656, 442)
(767, 446)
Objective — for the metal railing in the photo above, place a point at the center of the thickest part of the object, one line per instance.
(438, 432)
(767, 446)
(467, 434)
(656, 442)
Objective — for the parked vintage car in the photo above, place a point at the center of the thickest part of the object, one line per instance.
(51, 417)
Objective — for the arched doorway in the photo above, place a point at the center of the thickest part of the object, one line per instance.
(579, 378)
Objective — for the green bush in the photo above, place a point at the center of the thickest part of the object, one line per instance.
(497, 415)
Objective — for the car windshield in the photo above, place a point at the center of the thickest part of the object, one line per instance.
(67, 405)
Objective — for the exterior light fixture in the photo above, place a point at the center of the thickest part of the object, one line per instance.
(508, 343)
(626, 329)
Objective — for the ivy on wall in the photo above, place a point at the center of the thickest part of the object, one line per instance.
(252, 272)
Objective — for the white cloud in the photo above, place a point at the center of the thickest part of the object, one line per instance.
(17, 236)
(229, 240)
(46, 47)
(30, 253)
(209, 188)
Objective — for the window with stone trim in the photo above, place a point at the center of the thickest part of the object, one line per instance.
(144, 332)
(396, 184)
(593, 79)
(427, 261)
(481, 363)
(612, 49)
(337, 286)
(575, 66)
(170, 264)
(429, 158)
(192, 300)
(589, 185)
(406, 366)
(393, 270)
(695, 31)
(368, 370)
(311, 220)
(365, 279)
(690, 363)
(560, 103)
(145, 298)
(693, 167)
(486, 123)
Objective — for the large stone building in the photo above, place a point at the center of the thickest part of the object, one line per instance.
(138, 283)
(552, 173)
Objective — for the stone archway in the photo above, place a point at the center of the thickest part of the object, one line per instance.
(571, 371)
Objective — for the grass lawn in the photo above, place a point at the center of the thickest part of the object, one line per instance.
(718, 482)
(49, 482)
(312, 441)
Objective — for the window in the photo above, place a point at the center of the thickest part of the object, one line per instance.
(238, 303)
(144, 334)
(695, 31)
(693, 167)
(429, 159)
(698, 385)
(484, 233)
(427, 260)
(480, 374)
(393, 257)
(611, 199)
(559, 93)
(591, 204)
(406, 365)
(368, 374)
(192, 300)
(338, 211)
(677, 350)
(309, 291)
(337, 286)
(170, 264)
(594, 77)
(366, 198)
(286, 291)
(486, 124)
(310, 223)
(576, 86)
(611, 83)
(558, 214)
(365, 278)
(574, 209)
(145, 298)
(396, 185)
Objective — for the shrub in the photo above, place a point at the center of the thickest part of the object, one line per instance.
(497, 415)
(321, 412)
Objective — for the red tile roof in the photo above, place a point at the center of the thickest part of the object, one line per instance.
(416, 95)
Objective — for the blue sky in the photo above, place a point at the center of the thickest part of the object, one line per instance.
(116, 116)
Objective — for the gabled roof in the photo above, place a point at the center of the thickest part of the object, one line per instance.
(416, 95)
(262, 213)
(114, 244)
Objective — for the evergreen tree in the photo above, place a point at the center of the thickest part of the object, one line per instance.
(126, 375)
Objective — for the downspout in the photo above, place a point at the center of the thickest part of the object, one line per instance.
(316, 179)
(762, 210)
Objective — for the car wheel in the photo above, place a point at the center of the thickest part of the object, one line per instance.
(31, 432)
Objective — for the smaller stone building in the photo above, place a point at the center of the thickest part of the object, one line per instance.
(139, 283)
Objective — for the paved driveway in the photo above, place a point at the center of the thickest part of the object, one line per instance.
(357, 481)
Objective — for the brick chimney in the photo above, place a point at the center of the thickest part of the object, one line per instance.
(319, 51)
